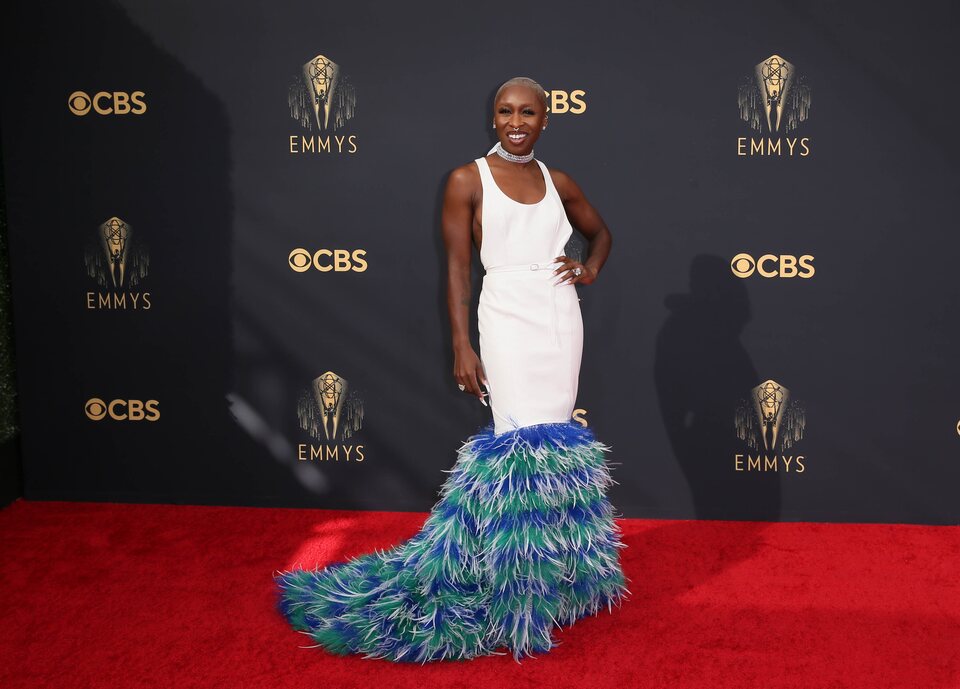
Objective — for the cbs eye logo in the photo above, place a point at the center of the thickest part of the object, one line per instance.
(122, 410)
(564, 102)
(773, 266)
(107, 103)
(326, 260)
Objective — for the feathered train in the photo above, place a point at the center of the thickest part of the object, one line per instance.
(522, 540)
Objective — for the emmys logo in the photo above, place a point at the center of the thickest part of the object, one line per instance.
(770, 423)
(326, 260)
(122, 410)
(107, 103)
(773, 266)
(566, 102)
(330, 412)
(774, 99)
(118, 262)
(322, 99)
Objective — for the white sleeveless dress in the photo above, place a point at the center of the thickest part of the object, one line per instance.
(531, 330)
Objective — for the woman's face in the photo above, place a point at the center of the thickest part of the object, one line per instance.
(519, 118)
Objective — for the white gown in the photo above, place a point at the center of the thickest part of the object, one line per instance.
(523, 539)
(531, 330)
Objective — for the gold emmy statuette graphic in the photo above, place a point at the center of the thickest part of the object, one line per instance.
(321, 75)
(116, 258)
(775, 96)
(770, 401)
(330, 392)
(330, 404)
(322, 96)
(774, 79)
(114, 239)
(769, 419)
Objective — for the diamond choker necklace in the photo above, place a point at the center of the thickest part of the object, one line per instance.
(506, 155)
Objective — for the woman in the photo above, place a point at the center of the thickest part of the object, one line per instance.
(523, 538)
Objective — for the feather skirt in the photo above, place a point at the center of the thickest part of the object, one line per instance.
(522, 540)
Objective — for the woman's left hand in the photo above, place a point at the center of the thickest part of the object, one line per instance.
(567, 274)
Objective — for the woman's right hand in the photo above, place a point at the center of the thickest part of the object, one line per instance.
(468, 371)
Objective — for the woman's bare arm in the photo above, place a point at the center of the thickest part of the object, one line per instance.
(588, 222)
(457, 225)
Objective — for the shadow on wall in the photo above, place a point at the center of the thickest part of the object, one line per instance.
(702, 371)
(166, 173)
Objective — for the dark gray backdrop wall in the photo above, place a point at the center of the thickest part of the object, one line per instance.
(193, 284)
(11, 486)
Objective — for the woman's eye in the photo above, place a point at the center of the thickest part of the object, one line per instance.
(528, 112)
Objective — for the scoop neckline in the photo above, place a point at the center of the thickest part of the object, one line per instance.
(546, 188)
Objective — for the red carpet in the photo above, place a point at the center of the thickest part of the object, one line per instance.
(106, 595)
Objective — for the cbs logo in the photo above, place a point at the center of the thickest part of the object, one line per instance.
(325, 260)
(772, 266)
(122, 410)
(563, 102)
(107, 103)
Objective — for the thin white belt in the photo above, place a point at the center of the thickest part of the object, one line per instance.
(524, 266)
(545, 265)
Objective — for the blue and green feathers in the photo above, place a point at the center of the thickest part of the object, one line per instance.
(522, 540)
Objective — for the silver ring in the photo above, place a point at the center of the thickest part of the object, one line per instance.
(462, 387)
(577, 271)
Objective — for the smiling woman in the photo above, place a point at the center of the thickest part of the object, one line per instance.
(504, 108)
(523, 539)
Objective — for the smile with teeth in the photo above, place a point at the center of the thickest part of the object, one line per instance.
(517, 137)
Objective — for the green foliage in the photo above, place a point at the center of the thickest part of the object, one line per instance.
(8, 414)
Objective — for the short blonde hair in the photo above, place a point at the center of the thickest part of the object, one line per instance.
(524, 81)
